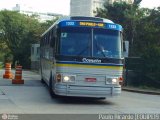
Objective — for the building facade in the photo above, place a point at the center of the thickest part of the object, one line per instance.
(87, 7)
(35, 56)
(42, 17)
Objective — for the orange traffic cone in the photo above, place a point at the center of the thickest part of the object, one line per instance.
(18, 76)
(8, 74)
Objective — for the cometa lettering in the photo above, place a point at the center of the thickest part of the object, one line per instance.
(91, 60)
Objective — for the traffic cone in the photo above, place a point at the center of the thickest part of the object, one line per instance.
(8, 74)
(18, 76)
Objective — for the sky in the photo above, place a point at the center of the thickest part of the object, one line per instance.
(56, 6)
(150, 3)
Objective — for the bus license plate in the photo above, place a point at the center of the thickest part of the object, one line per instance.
(90, 79)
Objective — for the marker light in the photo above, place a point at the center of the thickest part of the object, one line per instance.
(58, 77)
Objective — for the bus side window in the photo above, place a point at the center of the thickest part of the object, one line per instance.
(48, 36)
(53, 38)
(52, 42)
(42, 46)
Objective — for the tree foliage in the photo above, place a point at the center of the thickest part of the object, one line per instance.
(142, 30)
(128, 15)
(19, 31)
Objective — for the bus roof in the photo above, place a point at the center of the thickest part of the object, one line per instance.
(79, 18)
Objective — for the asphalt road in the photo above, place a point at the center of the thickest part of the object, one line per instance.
(33, 98)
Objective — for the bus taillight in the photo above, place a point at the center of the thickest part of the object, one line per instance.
(120, 80)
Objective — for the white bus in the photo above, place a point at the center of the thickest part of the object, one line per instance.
(82, 56)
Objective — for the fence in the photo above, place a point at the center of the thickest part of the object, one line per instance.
(133, 71)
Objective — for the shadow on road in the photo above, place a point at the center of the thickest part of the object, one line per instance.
(82, 101)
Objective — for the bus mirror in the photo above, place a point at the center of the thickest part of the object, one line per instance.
(124, 46)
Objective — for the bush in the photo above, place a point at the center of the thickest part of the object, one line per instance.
(151, 66)
(8, 58)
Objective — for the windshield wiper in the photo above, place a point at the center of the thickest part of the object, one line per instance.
(100, 48)
(84, 50)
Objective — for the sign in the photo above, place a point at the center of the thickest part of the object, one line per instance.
(90, 79)
(85, 60)
(91, 24)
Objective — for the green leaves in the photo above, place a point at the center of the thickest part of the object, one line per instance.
(142, 30)
(19, 32)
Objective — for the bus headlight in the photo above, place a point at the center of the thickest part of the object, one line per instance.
(112, 81)
(69, 78)
(66, 78)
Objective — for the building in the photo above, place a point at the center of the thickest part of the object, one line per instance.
(35, 56)
(87, 7)
(42, 17)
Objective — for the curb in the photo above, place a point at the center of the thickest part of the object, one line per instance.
(141, 91)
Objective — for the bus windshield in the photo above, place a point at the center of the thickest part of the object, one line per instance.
(90, 42)
(106, 43)
(75, 41)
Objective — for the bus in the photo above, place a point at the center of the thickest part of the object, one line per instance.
(82, 57)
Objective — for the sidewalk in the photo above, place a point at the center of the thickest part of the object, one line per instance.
(139, 90)
(1, 92)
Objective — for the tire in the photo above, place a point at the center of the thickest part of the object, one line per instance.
(53, 95)
(101, 98)
(42, 80)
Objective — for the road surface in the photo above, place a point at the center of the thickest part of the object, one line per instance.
(33, 98)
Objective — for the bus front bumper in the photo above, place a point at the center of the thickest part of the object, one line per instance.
(87, 91)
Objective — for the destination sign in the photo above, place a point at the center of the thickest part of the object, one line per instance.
(91, 24)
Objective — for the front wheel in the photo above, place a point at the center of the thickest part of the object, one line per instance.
(53, 95)
(101, 98)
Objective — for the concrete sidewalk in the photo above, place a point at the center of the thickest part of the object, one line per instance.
(144, 91)
(30, 78)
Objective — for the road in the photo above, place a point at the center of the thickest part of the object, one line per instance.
(33, 98)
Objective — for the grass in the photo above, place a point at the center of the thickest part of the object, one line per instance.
(144, 87)
(148, 87)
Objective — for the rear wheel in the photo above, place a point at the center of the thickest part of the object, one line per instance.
(42, 80)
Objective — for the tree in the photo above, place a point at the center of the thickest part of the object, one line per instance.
(48, 23)
(128, 15)
(136, 2)
(20, 31)
(142, 29)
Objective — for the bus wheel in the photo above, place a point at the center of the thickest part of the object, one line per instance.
(101, 98)
(53, 95)
(42, 80)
